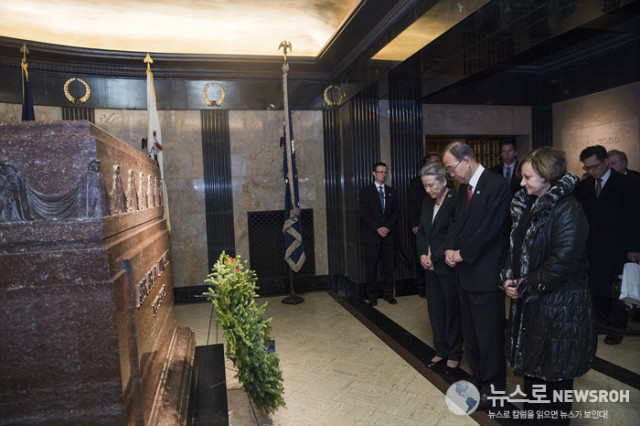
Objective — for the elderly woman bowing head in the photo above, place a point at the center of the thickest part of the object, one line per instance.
(442, 301)
(551, 337)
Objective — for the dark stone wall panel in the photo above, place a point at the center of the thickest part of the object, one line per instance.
(216, 156)
(407, 147)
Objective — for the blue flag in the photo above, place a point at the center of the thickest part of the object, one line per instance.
(294, 248)
(27, 99)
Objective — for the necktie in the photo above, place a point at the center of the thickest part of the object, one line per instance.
(469, 195)
(598, 187)
(381, 194)
(507, 175)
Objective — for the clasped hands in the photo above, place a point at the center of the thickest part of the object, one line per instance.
(383, 231)
(451, 257)
(510, 289)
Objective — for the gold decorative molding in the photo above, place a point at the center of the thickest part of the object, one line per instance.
(331, 102)
(210, 102)
(87, 91)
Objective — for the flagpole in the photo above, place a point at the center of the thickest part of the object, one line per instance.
(292, 299)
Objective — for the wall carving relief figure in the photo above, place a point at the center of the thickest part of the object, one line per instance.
(118, 199)
(94, 197)
(142, 195)
(151, 202)
(132, 194)
(158, 194)
(14, 205)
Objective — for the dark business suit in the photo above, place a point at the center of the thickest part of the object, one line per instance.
(516, 177)
(481, 236)
(378, 250)
(415, 196)
(613, 231)
(442, 299)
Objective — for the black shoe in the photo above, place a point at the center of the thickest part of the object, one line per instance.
(452, 371)
(373, 302)
(391, 300)
(613, 339)
(484, 403)
(436, 364)
(424, 296)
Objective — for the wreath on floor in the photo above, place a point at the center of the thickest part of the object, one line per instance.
(232, 289)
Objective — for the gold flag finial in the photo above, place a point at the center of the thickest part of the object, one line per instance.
(148, 61)
(25, 52)
(285, 45)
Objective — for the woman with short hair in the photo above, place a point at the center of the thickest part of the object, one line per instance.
(442, 300)
(551, 337)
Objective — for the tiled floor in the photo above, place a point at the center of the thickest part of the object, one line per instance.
(337, 372)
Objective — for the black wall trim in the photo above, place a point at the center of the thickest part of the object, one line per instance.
(541, 126)
(218, 195)
(407, 145)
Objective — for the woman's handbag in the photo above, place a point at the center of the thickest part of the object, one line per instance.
(630, 287)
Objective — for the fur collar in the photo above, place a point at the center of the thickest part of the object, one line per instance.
(542, 210)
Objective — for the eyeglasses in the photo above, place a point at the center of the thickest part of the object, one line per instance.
(449, 169)
(589, 168)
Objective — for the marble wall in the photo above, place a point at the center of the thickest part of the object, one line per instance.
(257, 178)
(256, 173)
(609, 118)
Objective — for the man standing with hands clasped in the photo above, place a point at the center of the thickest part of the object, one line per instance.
(379, 217)
(476, 246)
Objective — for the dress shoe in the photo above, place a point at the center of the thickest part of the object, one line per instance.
(436, 364)
(424, 296)
(373, 302)
(613, 339)
(484, 404)
(452, 371)
(391, 300)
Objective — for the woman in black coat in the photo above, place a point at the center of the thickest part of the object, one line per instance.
(442, 301)
(551, 337)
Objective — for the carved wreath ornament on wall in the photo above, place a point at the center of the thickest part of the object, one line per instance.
(210, 102)
(81, 100)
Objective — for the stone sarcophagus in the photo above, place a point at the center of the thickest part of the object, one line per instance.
(86, 293)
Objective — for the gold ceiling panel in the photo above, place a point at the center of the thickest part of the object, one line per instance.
(217, 27)
(435, 22)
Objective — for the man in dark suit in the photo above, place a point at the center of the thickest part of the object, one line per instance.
(618, 161)
(415, 196)
(476, 246)
(379, 215)
(610, 202)
(508, 168)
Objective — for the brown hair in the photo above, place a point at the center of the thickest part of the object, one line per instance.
(548, 162)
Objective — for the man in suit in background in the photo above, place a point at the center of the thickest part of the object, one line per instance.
(379, 216)
(618, 161)
(508, 168)
(610, 202)
(415, 197)
(476, 246)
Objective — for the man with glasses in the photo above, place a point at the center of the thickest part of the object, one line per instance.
(379, 216)
(609, 201)
(476, 246)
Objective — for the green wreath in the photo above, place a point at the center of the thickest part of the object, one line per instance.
(232, 289)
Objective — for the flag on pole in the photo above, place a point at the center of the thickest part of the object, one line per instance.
(294, 247)
(154, 136)
(27, 99)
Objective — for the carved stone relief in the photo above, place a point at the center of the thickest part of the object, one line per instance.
(19, 202)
